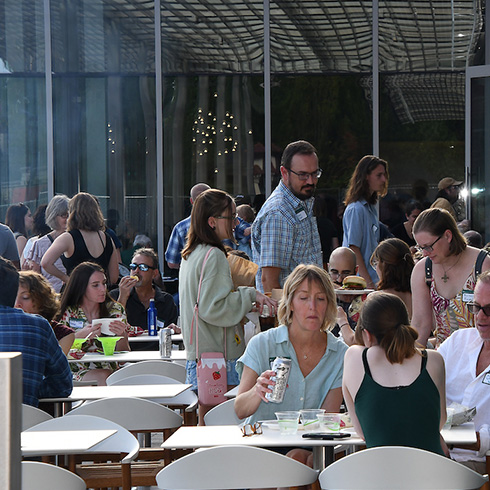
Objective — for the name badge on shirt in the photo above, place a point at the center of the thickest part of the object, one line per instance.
(467, 295)
(486, 379)
(301, 213)
(76, 323)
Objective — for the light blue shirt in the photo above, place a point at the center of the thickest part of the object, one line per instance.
(285, 234)
(309, 392)
(361, 229)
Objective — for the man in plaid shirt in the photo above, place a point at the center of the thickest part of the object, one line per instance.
(45, 369)
(285, 232)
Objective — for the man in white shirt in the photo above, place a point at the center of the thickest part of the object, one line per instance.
(467, 356)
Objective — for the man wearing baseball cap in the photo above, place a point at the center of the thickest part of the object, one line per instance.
(448, 198)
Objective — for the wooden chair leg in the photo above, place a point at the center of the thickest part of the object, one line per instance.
(126, 476)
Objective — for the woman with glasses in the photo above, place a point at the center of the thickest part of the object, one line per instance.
(84, 240)
(443, 282)
(307, 312)
(395, 392)
(135, 291)
(393, 263)
(220, 307)
(361, 225)
(85, 300)
(56, 218)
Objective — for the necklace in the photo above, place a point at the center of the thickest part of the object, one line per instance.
(445, 277)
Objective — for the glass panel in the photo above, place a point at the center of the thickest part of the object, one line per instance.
(480, 153)
(23, 176)
(104, 109)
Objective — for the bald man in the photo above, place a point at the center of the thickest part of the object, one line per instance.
(343, 263)
(177, 239)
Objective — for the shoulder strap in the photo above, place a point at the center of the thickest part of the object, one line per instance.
(479, 262)
(51, 239)
(428, 271)
(423, 363)
(365, 362)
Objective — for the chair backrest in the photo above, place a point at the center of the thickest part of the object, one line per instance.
(234, 467)
(223, 414)
(43, 476)
(134, 414)
(388, 467)
(32, 416)
(120, 442)
(188, 397)
(162, 368)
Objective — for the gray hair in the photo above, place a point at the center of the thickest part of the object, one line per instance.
(56, 207)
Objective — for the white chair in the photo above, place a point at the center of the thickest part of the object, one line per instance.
(223, 414)
(234, 467)
(32, 416)
(43, 476)
(138, 416)
(162, 368)
(403, 468)
(122, 443)
(186, 402)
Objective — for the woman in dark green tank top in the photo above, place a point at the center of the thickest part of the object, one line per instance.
(394, 391)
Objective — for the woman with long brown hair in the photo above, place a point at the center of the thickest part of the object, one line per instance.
(221, 308)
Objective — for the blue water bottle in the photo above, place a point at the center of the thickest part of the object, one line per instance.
(152, 318)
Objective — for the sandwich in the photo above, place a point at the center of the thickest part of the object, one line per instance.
(354, 283)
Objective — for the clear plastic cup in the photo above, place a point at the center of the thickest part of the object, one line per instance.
(288, 422)
(309, 418)
(329, 422)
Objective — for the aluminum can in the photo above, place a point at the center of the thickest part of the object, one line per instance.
(165, 340)
(281, 366)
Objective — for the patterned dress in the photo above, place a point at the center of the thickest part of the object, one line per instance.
(75, 317)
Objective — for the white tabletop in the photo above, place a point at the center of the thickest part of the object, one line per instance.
(117, 391)
(44, 443)
(131, 356)
(189, 437)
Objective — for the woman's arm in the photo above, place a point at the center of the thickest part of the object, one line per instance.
(62, 244)
(66, 342)
(362, 266)
(353, 372)
(113, 268)
(423, 315)
(437, 371)
(333, 400)
(21, 241)
(251, 391)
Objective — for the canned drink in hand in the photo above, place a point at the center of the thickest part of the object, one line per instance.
(281, 366)
(165, 338)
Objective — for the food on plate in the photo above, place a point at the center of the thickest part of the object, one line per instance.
(356, 306)
(354, 283)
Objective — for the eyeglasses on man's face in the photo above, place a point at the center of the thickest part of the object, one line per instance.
(141, 267)
(475, 308)
(334, 273)
(428, 248)
(306, 175)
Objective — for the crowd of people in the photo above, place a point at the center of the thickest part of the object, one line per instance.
(413, 341)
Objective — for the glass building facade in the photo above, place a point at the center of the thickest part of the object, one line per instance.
(136, 100)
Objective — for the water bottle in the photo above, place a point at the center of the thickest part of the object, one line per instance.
(152, 318)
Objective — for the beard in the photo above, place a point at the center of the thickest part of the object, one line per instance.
(305, 192)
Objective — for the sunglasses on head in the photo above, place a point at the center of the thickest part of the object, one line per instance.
(141, 267)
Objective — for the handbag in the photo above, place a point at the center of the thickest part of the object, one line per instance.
(211, 367)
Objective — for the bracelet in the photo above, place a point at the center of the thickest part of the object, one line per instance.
(344, 324)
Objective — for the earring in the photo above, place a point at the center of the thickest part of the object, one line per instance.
(213, 227)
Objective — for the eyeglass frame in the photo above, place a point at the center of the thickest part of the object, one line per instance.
(305, 175)
(428, 248)
(475, 306)
(134, 266)
(256, 429)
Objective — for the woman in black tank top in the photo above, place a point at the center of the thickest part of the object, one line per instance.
(85, 229)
